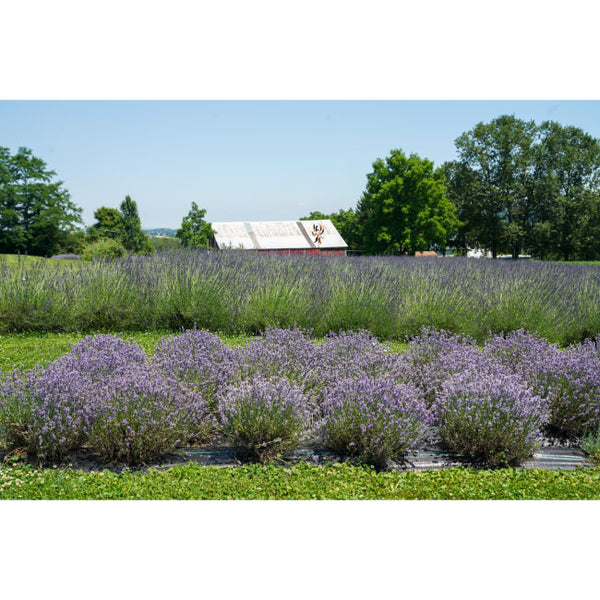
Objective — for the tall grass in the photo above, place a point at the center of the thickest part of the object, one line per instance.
(236, 292)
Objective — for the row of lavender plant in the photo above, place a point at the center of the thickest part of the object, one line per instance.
(355, 395)
(236, 292)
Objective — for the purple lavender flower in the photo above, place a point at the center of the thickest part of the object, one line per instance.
(372, 419)
(348, 355)
(569, 379)
(102, 355)
(490, 416)
(571, 383)
(523, 353)
(199, 359)
(140, 415)
(264, 417)
(435, 355)
(46, 411)
(287, 353)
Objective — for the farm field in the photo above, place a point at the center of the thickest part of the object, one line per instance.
(45, 310)
(292, 355)
(234, 293)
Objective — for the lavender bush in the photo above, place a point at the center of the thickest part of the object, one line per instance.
(392, 297)
(434, 355)
(140, 415)
(525, 354)
(265, 417)
(288, 353)
(348, 355)
(372, 419)
(197, 358)
(572, 386)
(16, 408)
(46, 412)
(569, 379)
(371, 402)
(491, 417)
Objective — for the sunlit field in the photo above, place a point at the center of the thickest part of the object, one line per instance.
(242, 293)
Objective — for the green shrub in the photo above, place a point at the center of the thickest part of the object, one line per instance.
(104, 248)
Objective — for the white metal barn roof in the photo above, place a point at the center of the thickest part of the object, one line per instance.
(274, 235)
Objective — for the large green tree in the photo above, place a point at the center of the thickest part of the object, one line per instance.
(133, 238)
(195, 232)
(519, 186)
(495, 180)
(404, 207)
(36, 212)
(566, 187)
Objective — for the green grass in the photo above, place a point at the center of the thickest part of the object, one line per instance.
(14, 260)
(30, 349)
(300, 482)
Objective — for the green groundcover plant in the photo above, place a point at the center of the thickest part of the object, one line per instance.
(299, 482)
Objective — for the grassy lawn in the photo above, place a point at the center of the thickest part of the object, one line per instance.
(14, 260)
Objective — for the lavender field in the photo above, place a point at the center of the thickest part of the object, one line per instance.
(234, 292)
(494, 403)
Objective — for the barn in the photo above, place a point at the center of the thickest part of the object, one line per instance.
(280, 237)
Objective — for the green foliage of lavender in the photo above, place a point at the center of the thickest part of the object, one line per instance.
(590, 444)
(235, 292)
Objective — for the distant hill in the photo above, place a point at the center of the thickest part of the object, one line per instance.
(161, 231)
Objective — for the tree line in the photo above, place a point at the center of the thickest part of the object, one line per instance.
(515, 187)
(38, 217)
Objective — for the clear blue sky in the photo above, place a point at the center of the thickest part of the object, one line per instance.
(245, 160)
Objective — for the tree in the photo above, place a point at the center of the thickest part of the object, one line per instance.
(36, 213)
(500, 158)
(132, 237)
(109, 224)
(462, 190)
(519, 186)
(568, 178)
(345, 222)
(404, 207)
(195, 232)
(587, 243)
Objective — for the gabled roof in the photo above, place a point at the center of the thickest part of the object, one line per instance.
(275, 235)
